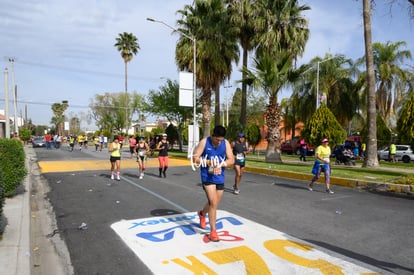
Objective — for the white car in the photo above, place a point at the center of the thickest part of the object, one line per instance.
(404, 153)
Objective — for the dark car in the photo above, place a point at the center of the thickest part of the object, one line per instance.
(286, 147)
(38, 142)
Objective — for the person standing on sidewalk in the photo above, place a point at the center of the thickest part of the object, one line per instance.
(240, 150)
(393, 151)
(115, 158)
(162, 147)
(303, 150)
(322, 164)
(141, 149)
(212, 154)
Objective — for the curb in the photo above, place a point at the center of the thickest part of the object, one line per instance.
(373, 186)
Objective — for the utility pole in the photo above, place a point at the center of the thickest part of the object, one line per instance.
(227, 104)
(14, 91)
(6, 102)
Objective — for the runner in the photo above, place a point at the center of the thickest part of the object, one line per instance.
(240, 150)
(115, 159)
(163, 147)
(216, 152)
(141, 149)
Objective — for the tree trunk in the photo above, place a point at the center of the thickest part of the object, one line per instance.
(273, 114)
(205, 100)
(126, 97)
(371, 159)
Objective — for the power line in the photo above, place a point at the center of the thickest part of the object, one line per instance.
(75, 70)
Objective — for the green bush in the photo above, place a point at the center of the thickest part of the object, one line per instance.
(12, 166)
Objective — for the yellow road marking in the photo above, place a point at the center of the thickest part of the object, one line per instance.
(88, 165)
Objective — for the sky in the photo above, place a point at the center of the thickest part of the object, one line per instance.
(64, 50)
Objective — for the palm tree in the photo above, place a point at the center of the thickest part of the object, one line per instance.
(127, 45)
(271, 75)
(335, 82)
(371, 159)
(58, 110)
(280, 25)
(217, 48)
(242, 16)
(388, 59)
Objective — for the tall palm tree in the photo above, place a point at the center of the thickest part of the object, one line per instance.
(217, 48)
(242, 16)
(388, 59)
(127, 45)
(371, 159)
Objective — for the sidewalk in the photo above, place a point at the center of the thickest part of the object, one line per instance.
(15, 245)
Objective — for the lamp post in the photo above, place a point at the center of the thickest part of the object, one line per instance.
(227, 105)
(317, 80)
(193, 39)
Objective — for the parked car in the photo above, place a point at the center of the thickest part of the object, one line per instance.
(38, 142)
(404, 153)
(286, 147)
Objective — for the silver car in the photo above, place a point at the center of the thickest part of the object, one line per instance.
(404, 153)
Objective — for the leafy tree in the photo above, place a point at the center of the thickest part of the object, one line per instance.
(172, 135)
(323, 124)
(383, 133)
(405, 126)
(253, 135)
(156, 104)
(127, 45)
(25, 134)
(109, 112)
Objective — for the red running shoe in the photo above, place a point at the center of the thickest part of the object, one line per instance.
(202, 220)
(213, 236)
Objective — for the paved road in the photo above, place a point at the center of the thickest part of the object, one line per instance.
(360, 229)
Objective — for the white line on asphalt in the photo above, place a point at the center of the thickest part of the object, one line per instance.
(335, 198)
(179, 207)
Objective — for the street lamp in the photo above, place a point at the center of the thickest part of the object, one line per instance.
(317, 80)
(227, 105)
(193, 39)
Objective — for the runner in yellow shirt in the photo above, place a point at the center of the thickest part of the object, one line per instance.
(115, 158)
(322, 163)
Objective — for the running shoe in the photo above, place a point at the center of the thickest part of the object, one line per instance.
(141, 176)
(329, 191)
(112, 177)
(310, 187)
(213, 236)
(235, 190)
(118, 178)
(202, 220)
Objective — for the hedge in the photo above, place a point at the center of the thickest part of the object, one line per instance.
(12, 165)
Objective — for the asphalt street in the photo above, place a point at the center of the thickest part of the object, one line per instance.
(372, 229)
